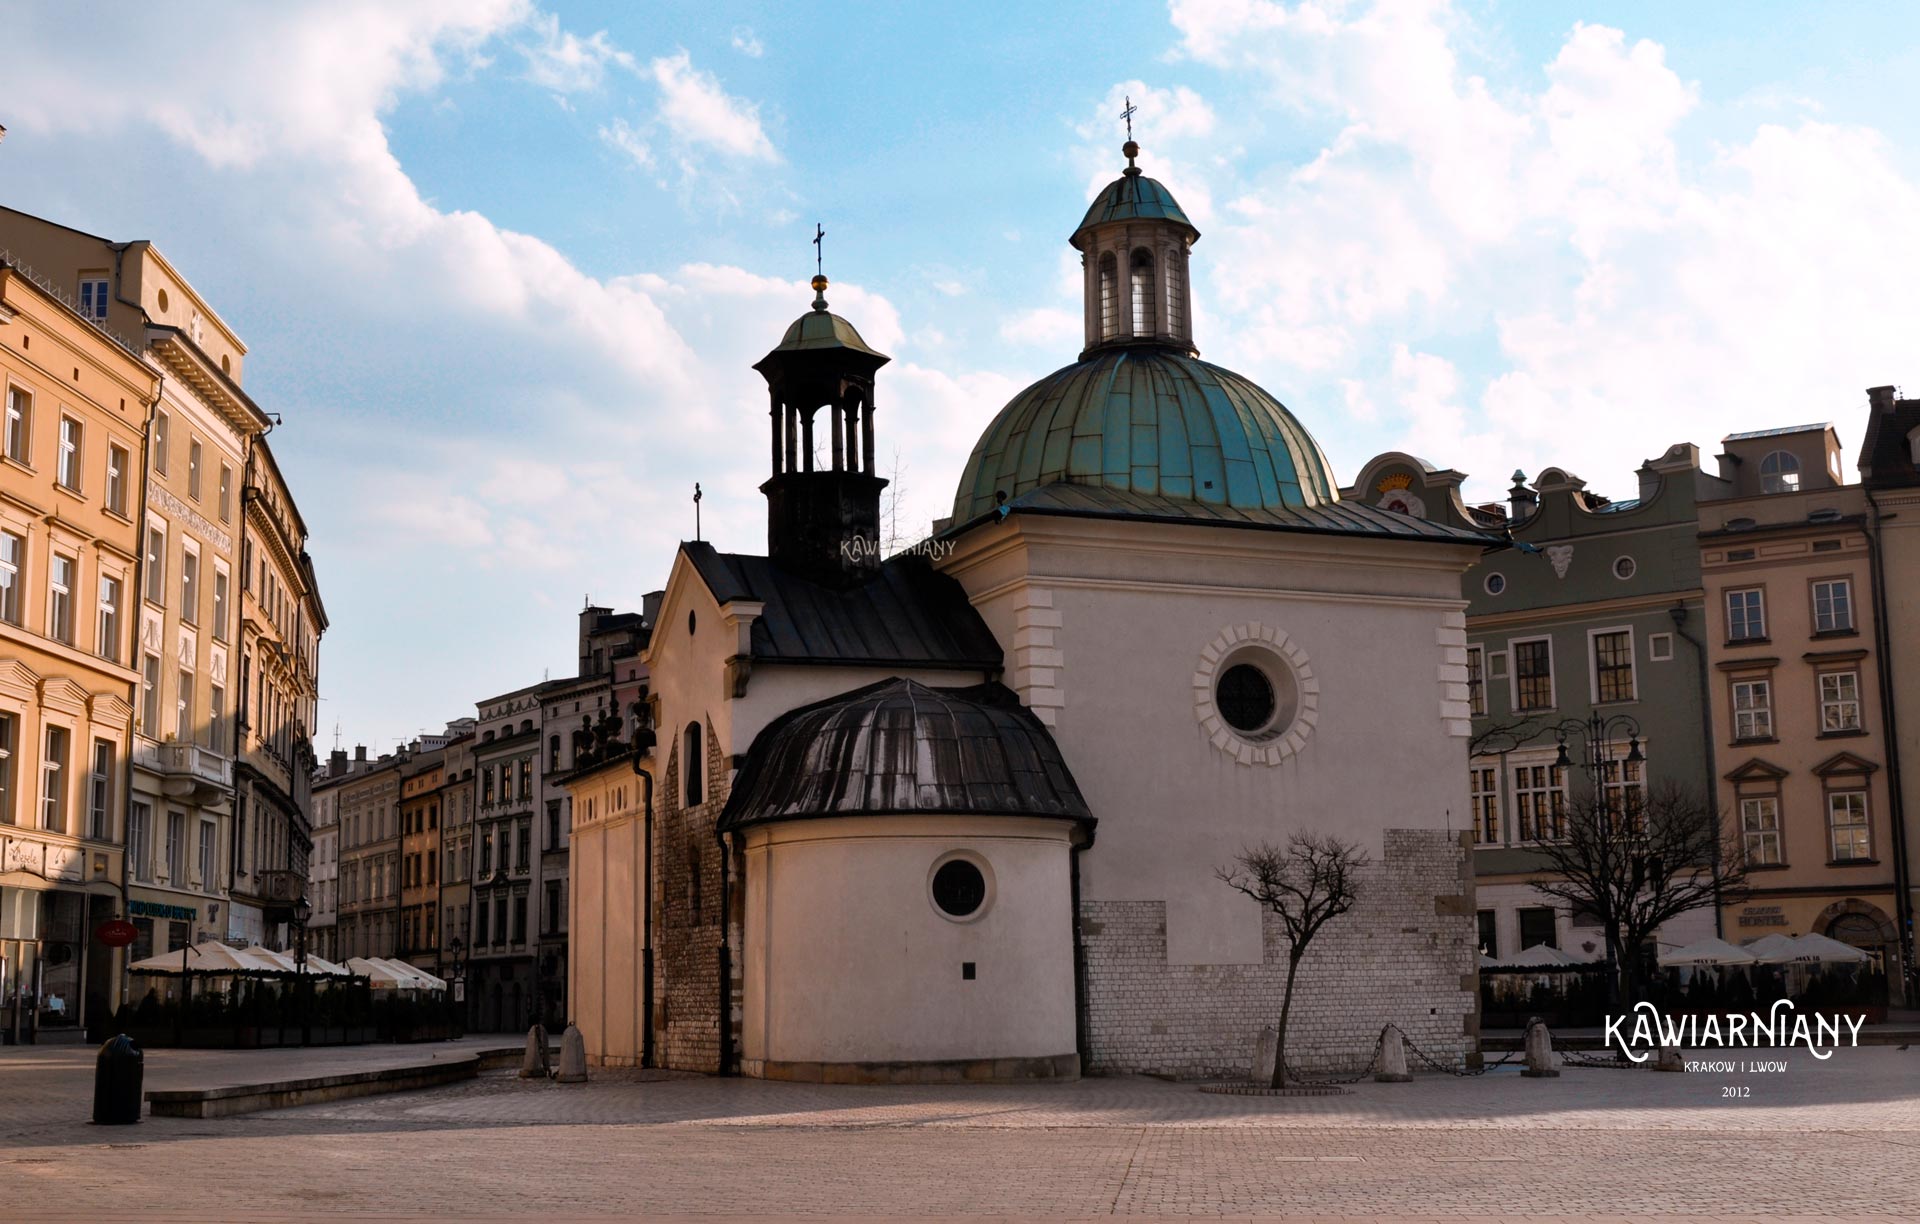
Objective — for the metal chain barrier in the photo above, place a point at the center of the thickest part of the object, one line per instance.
(1373, 1060)
(1464, 1073)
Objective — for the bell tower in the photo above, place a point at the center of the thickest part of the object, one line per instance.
(823, 500)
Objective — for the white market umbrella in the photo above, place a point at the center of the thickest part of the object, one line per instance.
(381, 976)
(1777, 950)
(1539, 956)
(425, 980)
(326, 968)
(286, 961)
(1706, 953)
(1487, 962)
(1826, 951)
(212, 956)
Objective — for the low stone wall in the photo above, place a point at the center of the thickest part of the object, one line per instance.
(947, 1071)
(1406, 955)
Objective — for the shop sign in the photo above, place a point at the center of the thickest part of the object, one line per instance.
(153, 909)
(1762, 915)
(118, 933)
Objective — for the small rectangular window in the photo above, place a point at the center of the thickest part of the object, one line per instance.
(1483, 796)
(100, 792)
(60, 577)
(1847, 820)
(1533, 674)
(150, 695)
(162, 426)
(193, 468)
(183, 707)
(53, 781)
(1540, 801)
(219, 605)
(106, 630)
(156, 565)
(190, 586)
(7, 725)
(13, 556)
(140, 842)
(1839, 702)
(1537, 926)
(1613, 665)
(1659, 647)
(216, 718)
(1752, 709)
(1476, 681)
(117, 478)
(67, 465)
(1832, 606)
(17, 437)
(1746, 615)
(93, 298)
(1760, 830)
(226, 494)
(1489, 940)
(206, 854)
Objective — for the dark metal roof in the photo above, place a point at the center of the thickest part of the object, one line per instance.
(1885, 458)
(899, 747)
(1133, 197)
(904, 616)
(1331, 518)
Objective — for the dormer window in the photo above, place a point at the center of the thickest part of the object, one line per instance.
(1140, 279)
(1779, 473)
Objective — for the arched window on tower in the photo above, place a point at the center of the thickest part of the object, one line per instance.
(1141, 279)
(1109, 296)
(1779, 473)
(1176, 307)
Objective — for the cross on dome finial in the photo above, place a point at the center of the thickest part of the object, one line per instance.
(1131, 149)
(819, 268)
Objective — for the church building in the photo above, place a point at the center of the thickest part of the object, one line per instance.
(957, 813)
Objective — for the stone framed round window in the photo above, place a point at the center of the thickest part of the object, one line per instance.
(1625, 568)
(1255, 694)
(1495, 583)
(960, 886)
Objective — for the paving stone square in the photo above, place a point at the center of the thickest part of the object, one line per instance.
(1834, 1138)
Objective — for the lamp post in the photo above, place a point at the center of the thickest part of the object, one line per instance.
(301, 912)
(460, 984)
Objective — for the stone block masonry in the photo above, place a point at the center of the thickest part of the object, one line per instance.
(1405, 954)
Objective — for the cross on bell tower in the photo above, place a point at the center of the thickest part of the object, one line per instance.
(823, 511)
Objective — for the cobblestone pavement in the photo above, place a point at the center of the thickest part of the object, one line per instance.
(1827, 1139)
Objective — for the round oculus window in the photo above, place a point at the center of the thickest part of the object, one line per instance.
(959, 888)
(1624, 568)
(1495, 583)
(1244, 696)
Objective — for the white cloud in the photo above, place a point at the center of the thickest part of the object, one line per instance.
(623, 137)
(566, 63)
(747, 43)
(1044, 327)
(701, 114)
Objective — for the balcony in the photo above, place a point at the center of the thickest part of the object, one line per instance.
(188, 771)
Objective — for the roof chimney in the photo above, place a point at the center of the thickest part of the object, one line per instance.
(360, 754)
(1520, 498)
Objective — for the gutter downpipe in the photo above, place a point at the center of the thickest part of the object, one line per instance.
(646, 909)
(1883, 676)
(726, 953)
(1082, 1036)
(137, 601)
(1678, 613)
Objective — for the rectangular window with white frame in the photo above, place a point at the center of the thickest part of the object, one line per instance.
(93, 298)
(117, 478)
(1540, 802)
(1532, 674)
(193, 468)
(140, 842)
(1839, 702)
(1760, 830)
(156, 564)
(1752, 709)
(189, 583)
(1847, 822)
(67, 465)
(106, 625)
(216, 718)
(207, 836)
(100, 792)
(1483, 797)
(1612, 653)
(13, 560)
(17, 437)
(183, 707)
(1833, 606)
(219, 602)
(53, 780)
(162, 430)
(1624, 786)
(9, 736)
(226, 493)
(1659, 647)
(1477, 681)
(60, 579)
(150, 695)
(1746, 615)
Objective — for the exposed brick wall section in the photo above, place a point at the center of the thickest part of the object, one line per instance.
(687, 867)
(1405, 954)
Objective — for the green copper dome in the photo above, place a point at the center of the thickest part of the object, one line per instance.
(1148, 419)
(819, 329)
(1134, 197)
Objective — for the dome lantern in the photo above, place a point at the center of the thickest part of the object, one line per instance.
(1133, 245)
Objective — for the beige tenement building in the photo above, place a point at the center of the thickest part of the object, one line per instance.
(76, 398)
(957, 813)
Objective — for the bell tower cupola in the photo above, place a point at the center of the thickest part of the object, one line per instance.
(823, 499)
(1133, 246)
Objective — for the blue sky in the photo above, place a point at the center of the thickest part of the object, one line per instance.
(504, 268)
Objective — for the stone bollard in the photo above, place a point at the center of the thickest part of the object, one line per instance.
(1266, 1047)
(573, 1056)
(1669, 1060)
(534, 1065)
(1539, 1052)
(1393, 1059)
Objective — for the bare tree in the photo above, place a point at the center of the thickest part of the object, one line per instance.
(892, 541)
(1636, 862)
(1307, 883)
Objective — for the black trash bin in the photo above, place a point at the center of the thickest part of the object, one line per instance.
(117, 1075)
